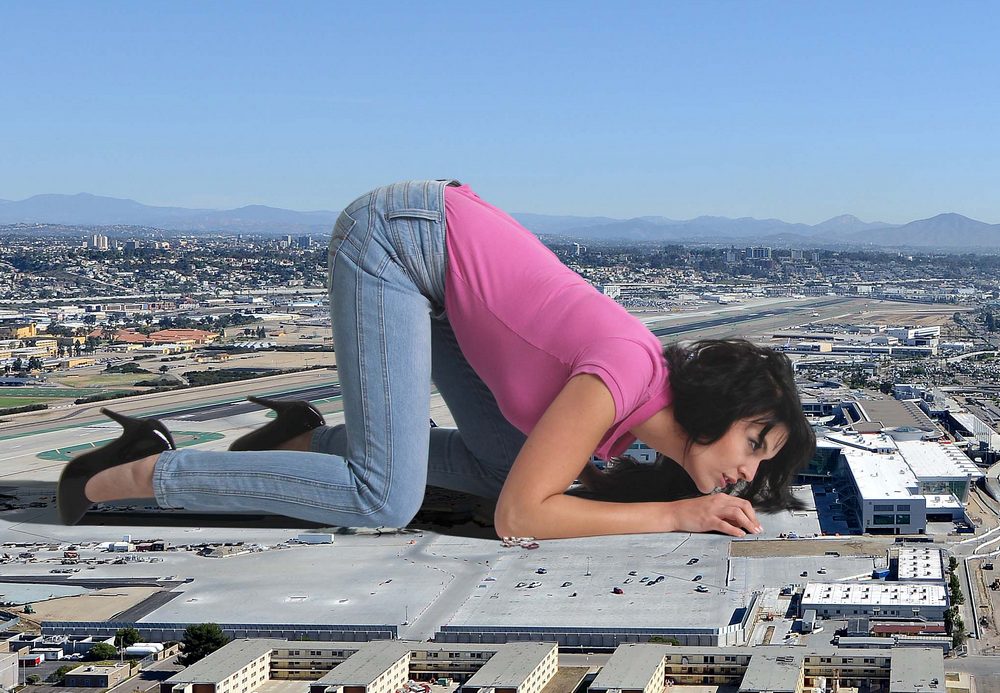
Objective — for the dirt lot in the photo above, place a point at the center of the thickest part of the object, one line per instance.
(98, 605)
(854, 546)
(921, 316)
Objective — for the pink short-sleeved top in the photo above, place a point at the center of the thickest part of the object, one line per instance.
(526, 323)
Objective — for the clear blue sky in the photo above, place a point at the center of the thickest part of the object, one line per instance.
(796, 110)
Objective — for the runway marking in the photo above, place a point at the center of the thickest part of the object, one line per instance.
(184, 439)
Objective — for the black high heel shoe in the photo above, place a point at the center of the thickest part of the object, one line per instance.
(295, 417)
(140, 438)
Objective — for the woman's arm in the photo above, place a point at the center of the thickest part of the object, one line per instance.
(533, 501)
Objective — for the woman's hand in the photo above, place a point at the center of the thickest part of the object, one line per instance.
(718, 512)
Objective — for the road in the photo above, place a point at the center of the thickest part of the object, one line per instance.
(212, 400)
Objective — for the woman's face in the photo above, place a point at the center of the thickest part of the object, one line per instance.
(734, 456)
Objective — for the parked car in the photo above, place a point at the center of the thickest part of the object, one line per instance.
(697, 577)
(804, 573)
(617, 590)
(701, 588)
(692, 561)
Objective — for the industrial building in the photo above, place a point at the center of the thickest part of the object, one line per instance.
(897, 486)
(875, 598)
(92, 676)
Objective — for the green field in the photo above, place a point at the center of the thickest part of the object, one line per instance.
(23, 396)
(47, 392)
(8, 402)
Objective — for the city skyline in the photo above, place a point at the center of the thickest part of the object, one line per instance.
(770, 110)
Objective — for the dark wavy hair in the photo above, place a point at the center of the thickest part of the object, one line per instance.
(716, 382)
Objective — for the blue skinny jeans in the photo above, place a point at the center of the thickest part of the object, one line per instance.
(387, 267)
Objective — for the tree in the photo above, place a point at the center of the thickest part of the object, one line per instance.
(103, 650)
(59, 675)
(33, 679)
(164, 368)
(664, 641)
(200, 641)
(126, 637)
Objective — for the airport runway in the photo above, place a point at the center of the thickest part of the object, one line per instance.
(214, 402)
(735, 318)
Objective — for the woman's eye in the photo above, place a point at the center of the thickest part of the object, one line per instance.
(754, 445)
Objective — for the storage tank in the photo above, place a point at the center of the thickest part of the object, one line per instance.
(144, 649)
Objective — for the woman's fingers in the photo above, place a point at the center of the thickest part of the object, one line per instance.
(729, 528)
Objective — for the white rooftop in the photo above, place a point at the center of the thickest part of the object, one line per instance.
(875, 593)
(920, 563)
(945, 501)
(930, 460)
(881, 476)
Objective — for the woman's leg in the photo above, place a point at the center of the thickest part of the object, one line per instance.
(381, 324)
(475, 457)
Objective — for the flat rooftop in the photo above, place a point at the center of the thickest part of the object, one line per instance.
(916, 669)
(777, 673)
(875, 593)
(930, 460)
(630, 666)
(576, 588)
(228, 659)
(881, 476)
(919, 563)
(367, 664)
(892, 413)
(511, 666)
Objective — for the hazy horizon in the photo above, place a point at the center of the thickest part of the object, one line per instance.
(800, 112)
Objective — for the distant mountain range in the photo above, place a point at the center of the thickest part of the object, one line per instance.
(945, 231)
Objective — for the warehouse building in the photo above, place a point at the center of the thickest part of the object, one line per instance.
(896, 599)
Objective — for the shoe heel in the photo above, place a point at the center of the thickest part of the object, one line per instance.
(294, 418)
(129, 423)
(134, 426)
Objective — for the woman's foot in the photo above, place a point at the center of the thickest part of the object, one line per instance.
(109, 467)
(295, 420)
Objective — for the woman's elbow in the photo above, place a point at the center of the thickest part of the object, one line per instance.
(511, 521)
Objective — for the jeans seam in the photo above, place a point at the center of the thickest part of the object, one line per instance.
(291, 500)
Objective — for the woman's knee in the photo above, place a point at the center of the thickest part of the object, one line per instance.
(396, 509)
